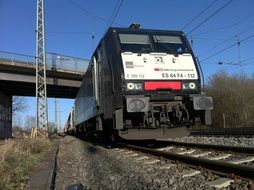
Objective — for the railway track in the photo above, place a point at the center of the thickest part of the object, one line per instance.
(247, 132)
(196, 155)
(159, 164)
(236, 149)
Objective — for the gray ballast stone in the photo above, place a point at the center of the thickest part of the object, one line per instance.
(220, 183)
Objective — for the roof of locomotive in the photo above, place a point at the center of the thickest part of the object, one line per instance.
(112, 30)
(141, 30)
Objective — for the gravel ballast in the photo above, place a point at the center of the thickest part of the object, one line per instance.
(97, 167)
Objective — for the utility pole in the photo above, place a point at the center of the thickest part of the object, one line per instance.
(41, 88)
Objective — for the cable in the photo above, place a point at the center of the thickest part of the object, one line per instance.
(88, 12)
(223, 42)
(241, 66)
(209, 17)
(198, 15)
(213, 30)
(224, 27)
(214, 39)
(230, 46)
(91, 14)
(114, 11)
(79, 33)
(114, 14)
(117, 12)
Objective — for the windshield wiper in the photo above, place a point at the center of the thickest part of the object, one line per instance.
(171, 51)
(167, 48)
(144, 49)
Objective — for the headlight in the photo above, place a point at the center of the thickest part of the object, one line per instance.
(190, 86)
(134, 86)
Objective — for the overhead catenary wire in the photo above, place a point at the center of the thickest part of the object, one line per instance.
(224, 27)
(87, 12)
(199, 14)
(90, 13)
(114, 11)
(227, 40)
(114, 14)
(213, 30)
(212, 39)
(76, 33)
(240, 66)
(246, 61)
(210, 16)
(228, 47)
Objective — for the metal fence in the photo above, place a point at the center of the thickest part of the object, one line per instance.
(53, 61)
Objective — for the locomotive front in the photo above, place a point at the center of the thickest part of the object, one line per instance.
(161, 85)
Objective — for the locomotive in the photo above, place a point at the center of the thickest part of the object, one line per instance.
(141, 84)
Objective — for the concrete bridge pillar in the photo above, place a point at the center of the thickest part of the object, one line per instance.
(5, 115)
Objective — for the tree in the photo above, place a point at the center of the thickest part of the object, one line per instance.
(19, 104)
(52, 127)
(30, 122)
(233, 97)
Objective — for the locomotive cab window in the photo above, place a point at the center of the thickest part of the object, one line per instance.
(169, 44)
(135, 43)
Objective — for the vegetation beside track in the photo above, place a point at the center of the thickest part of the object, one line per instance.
(18, 157)
(233, 99)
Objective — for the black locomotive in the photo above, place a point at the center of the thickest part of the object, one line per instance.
(141, 84)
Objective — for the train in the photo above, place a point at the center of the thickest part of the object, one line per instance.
(141, 84)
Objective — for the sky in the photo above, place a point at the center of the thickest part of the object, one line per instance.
(218, 30)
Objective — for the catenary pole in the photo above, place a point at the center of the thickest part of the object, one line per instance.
(41, 87)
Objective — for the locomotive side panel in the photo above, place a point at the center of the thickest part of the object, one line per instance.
(113, 53)
(105, 80)
(84, 102)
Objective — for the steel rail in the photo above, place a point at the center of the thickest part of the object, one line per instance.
(247, 131)
(216, 166)
(237, 149)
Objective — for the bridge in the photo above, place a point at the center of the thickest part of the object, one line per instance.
(17, 78)
(64, 74)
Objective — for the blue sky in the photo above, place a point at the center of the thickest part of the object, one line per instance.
(69, 25)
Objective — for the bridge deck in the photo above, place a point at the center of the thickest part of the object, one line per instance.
(17, 77)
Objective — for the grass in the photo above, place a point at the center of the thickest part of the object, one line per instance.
(17, 158)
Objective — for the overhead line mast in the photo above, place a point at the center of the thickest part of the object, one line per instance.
(41, 86)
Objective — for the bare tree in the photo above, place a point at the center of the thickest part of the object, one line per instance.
(233, 98)
(30, 122)
(19, 104)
